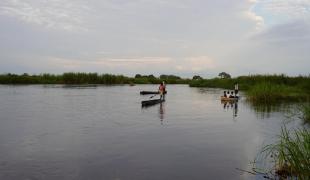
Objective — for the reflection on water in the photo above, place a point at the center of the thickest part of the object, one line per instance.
(102, 133)
(72, 86)
(161, 112)
(231, 105)
(265, 110)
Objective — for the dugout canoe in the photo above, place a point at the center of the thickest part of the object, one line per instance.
(229, 99)
(150, 92)
(151, 102)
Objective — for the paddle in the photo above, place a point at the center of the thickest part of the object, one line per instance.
(153, 96)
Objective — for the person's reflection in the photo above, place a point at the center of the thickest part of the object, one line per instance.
(231, 105)
(235, 109)
(161, 112)
(224, 104)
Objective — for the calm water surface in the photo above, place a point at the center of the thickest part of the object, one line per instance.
(55, 132)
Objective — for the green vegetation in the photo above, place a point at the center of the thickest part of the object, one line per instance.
(88, 78)
(66, 78)
(151, 79)
(267, 92)
(196, 77)
(213, 83)
(306, 112)
(263, 88)
(291, 153)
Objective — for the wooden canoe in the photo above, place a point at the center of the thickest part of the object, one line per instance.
(151, 102)
(229, 99)
(150, 92)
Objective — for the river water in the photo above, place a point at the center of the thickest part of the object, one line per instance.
(101, 132)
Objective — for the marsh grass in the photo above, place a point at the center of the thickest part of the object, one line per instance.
(266, 92)
(87, 78)
(291, 154)
(246, 82)
(305, 108)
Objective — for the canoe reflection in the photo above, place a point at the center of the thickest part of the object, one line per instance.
(161, 109)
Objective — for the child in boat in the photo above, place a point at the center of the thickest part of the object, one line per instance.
(231, 94)
(225, 95)
(161, 90)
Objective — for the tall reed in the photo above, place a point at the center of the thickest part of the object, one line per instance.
(306, 112)
(291, 153)
(87, 78)
(266, 92)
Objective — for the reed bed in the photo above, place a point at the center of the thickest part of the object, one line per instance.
(264, 88)
(88, 78)
(306, 112)
(266, 92)
(291, 154)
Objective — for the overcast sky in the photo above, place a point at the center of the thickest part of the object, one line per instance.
(181, 37)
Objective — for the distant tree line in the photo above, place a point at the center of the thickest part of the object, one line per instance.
(151, 79)
(88, 78)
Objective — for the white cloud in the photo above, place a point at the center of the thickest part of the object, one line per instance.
(56, 14)
(259, 20)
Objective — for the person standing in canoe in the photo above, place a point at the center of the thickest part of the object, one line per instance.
(236, 89)
(161, 90)
(164, 84)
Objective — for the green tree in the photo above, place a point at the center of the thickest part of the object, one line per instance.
(224, 75)
(138, 76)
(196, 77)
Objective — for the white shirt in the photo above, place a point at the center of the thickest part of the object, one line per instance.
(236, 86)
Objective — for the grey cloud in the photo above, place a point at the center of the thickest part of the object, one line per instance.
(119, 31)
(295, 30)
(64, 14)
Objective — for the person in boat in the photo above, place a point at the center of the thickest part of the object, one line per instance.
(231, 94)
(164, 84)
(161, 90)
(236, 89)
(236, 95)
(225, 95)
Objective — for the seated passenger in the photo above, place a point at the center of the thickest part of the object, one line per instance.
(231, 94)
(225, 95)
